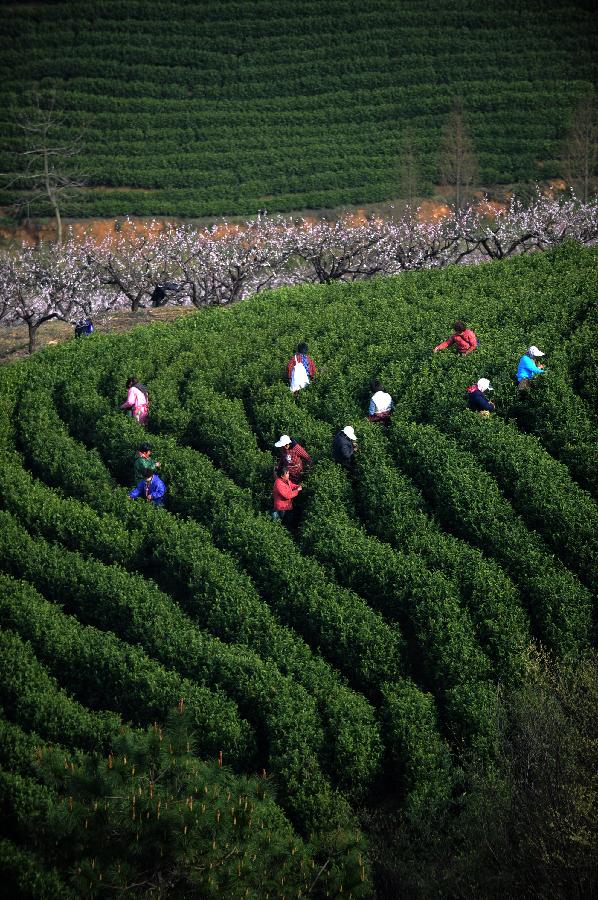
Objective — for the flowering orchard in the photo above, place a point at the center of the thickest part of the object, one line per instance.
(210, 267)
(359, 657)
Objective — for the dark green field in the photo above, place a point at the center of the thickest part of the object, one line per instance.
(220, 107)
(351, 672)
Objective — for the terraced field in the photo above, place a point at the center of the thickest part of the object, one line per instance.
(356, 658)
(210, 108)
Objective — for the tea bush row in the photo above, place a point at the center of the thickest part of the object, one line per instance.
(103, 671)
(31, 696)
(280, 711)
(467, 501)
(215, 594)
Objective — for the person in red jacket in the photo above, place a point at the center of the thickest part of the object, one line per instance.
(283, 494)
(464, 339)
(293, 456)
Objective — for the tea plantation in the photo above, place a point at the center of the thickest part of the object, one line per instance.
(226, 107)
(319, 674)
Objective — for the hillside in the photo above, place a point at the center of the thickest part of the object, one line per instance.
(354, 662)
(211, 108)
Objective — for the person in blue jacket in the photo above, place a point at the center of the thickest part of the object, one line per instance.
(476, 400)
(151, 488)
(83, 327)
(528, 368)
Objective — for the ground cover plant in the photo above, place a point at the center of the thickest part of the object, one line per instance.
(297, 712)
(212, 108)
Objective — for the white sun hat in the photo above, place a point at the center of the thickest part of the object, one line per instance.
(283, 440)
(348, 430)
(533, 351)
(484, 385)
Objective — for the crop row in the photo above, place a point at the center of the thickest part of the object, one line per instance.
(365, 750)
(354, 638)
(467, 501)
(212, 590)
(103, 671)
(280, 710)
(394, 511)
(417, 769)
(31, 696)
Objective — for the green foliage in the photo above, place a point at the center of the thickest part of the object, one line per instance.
(31, 696)
(361, 659)
(469, 502)
(219, 108)
(195, 827)
(104, 671)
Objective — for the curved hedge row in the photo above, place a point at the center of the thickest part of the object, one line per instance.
(468, 502)
(214, 593)
(29, 694)
(358, 658)
(211, 108)
(102, 670)
(280, 710)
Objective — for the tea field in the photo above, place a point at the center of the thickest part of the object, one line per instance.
(351, 664)
(226, 107)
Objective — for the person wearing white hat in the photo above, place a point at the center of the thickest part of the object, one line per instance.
(293, 456)
(528, 368)
(381, 404)
(344, 445)
(476, 400)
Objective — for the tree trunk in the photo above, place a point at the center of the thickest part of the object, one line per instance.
(52, 198)
(32, 329)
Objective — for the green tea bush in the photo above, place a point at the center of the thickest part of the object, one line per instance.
(102, 670)
(142, 614)
(359, 658)
(468, 501)
(539, 488)
(395, 511)
(30, 695)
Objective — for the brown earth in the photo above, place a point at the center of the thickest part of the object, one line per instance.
(99, 229)
(14, 341)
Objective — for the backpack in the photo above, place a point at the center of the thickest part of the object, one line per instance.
(299, 376)
(144, 391)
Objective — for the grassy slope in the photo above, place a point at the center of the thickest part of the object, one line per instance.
(444, 698)
(212, 108)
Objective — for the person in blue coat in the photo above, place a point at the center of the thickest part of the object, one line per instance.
(152, 489)
(528, 368)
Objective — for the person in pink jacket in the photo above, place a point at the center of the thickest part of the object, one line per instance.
(136, 404)
(464, 340)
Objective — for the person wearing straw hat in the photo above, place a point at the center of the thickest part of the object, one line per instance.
(293, 456)
(476, 400)
(344, 445)
(528, 368)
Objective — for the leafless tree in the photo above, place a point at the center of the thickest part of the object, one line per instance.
(581, 147)
(49, 161)
(458, 166)
(408, 170)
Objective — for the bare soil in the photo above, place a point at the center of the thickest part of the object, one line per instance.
(14, 342)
